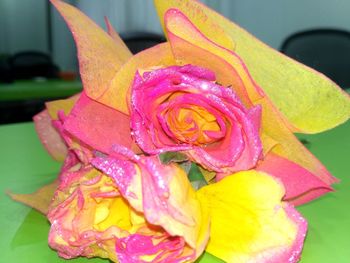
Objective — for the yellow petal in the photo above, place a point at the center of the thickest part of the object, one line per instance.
(99, 56)
(248, 219)
(183, 195)
(310, 101)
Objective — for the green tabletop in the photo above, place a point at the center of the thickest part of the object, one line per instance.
(37, 89)
(25, 166)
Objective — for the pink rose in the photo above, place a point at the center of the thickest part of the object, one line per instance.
(181, 108)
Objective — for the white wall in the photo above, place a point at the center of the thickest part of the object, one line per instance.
(273, 20)
(3, 22)
(270, 20)
(24, 25)
(125, 15)
(64, 52)
(23, 22)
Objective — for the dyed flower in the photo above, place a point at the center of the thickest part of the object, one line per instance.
(248, 222)
(193, 40)
(114, 202)
(140, 211)
(182, 109)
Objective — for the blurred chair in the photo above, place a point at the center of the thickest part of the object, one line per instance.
(31, 64)
(138, 41)
(5, 70)
(326, 50)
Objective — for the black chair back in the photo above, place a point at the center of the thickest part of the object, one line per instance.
(31, 64)
(138, 41)
(326, 50)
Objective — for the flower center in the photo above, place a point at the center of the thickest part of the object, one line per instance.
(192, 124)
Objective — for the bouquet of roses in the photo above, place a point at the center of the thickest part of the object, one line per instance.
(185, 147)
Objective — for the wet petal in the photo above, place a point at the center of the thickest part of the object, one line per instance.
(97, 125)
(186, 41)
(163, 194)
(82, 223)
(249, 223)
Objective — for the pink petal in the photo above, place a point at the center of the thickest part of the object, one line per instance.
(97, 125)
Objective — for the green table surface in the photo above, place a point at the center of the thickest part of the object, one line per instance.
(25, 166)
(37, 89)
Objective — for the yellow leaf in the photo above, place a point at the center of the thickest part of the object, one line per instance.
(117, 96)
(100, 57)
(65, 105)
(125, 53)
(39, 200)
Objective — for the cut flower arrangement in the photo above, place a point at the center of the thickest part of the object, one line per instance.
(185, 147)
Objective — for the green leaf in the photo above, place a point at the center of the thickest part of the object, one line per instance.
(169, 157)
(195, 174)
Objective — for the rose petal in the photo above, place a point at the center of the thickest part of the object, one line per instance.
(80, 215)
(157, 101)
(97, 125)
(163, 194)
(249, 223)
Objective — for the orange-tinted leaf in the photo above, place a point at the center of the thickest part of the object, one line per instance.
(99, 56)
(49, 136)
(66, 105)
(189, 45)
(310, 101)
(210, 28)
(39, 200)
(288, 146)
(125, 53)
(117, 96)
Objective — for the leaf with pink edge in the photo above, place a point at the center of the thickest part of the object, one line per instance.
(311, 102)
